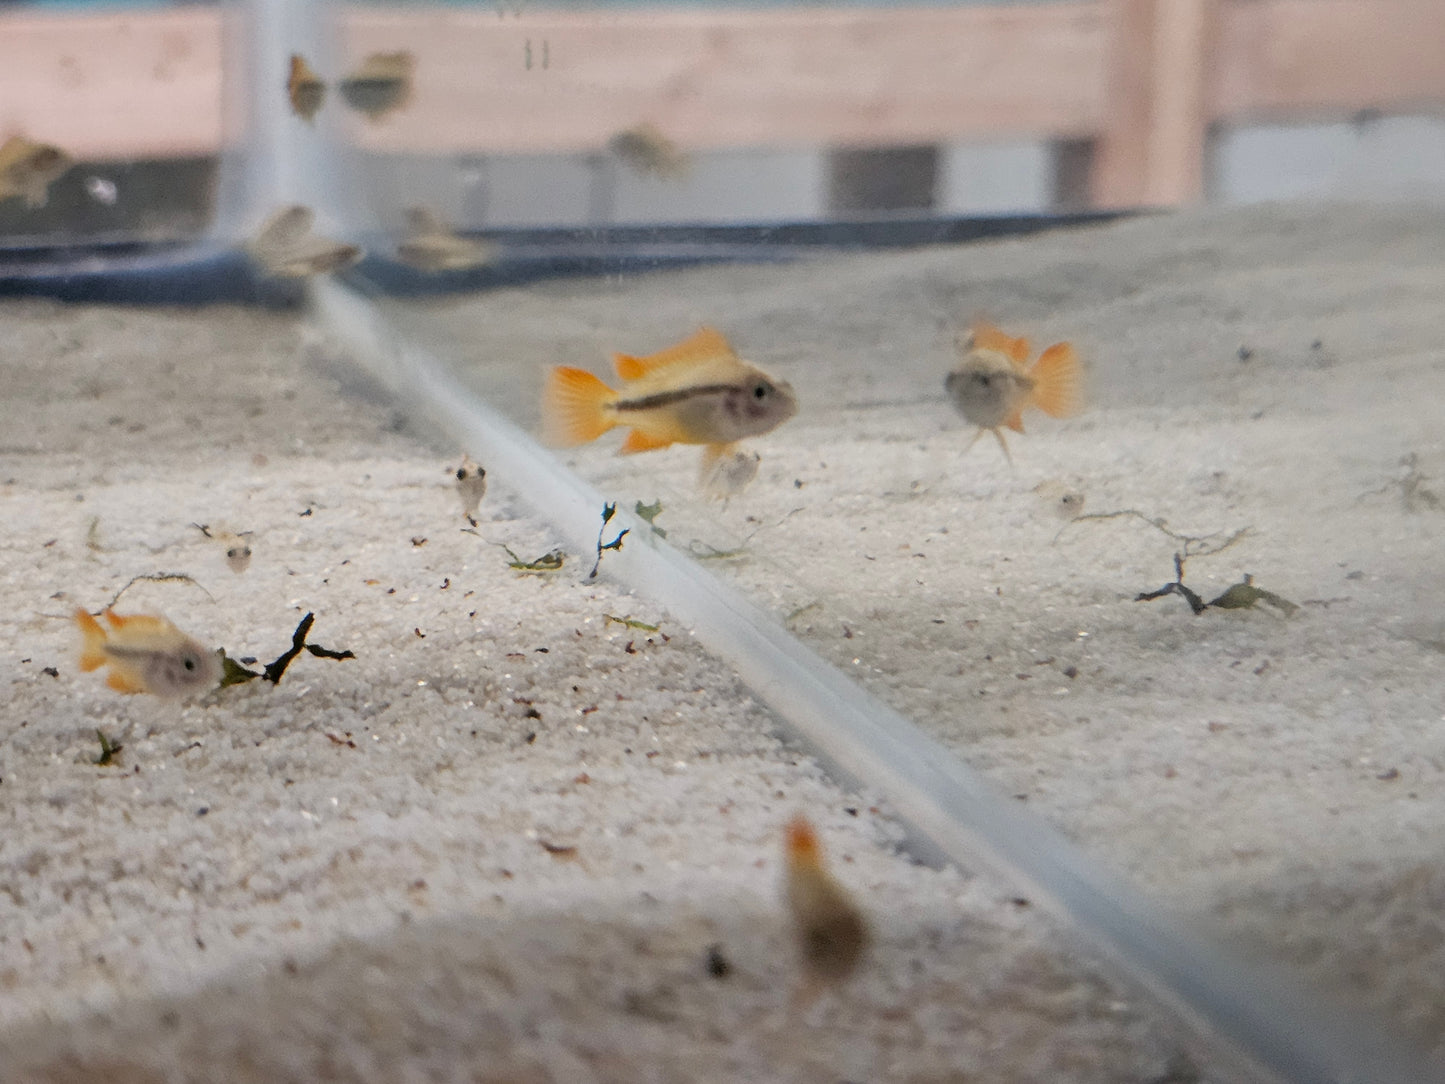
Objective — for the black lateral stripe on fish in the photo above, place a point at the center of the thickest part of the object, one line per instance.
(668, 398)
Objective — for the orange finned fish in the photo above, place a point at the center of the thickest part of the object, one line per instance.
(993, 384)
(27, 169)
(146, 654)
(381, 85)
(697, 392)
(305, 88)
(832, 932)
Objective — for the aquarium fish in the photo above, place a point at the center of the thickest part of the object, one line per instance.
(697, 392)
(727, 470)
(646, 151)
(832, 932)
(471, 487)
(305, 88)
(27, 169)
(993, 383)
(285, 247)
(146, 654)
(431, 246)
(382, 85)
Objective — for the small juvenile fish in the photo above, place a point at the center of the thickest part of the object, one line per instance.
(285, 247)
(727, 471)
(146, 655)
(238, 551)
(647, 151)
(305, 88)
(432, 247)
(1062, 501)
(991, 387)
(27, 169)
(832, 933)
(697, 392)
(471, 486)
(381, 85)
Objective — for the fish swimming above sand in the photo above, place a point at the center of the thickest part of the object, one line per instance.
(305, 89)
(993, 383)
(832, 933)
(146, 654)
(382, 85)
(471, 487)
(431, 246)
(697, 392)
(27, 169)
(285, 247)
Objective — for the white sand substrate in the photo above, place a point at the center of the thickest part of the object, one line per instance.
(499, 844)
(1275, 373)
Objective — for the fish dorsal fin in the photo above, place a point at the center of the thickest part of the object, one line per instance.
(638, 441)
(988, 337)
(137, 622)
(706, 344)
(1056, 381)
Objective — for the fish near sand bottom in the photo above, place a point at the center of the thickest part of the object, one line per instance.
(993, 383)
(146, 654)
(697, 392)
(27, 170)
(832, 933)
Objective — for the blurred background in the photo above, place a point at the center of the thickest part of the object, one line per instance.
(637, 113)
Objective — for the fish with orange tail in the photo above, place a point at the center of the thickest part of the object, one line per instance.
(146, 654)
(993, 383)
(832, 933)
(697, 392)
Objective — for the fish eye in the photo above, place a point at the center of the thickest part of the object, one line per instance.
(461, 474)
(232, 552)
(189, 663)
(760, 391)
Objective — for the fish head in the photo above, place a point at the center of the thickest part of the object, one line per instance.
(985, 389)
(185, 670)
(757, 405)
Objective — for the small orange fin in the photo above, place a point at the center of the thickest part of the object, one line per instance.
(575, 407)
(638, 441)
(137, 622)
(802, 844)
(92, 644)
(988, 337)
(1056, 381)
(1014, 421)
(705, 344)
(122, 684)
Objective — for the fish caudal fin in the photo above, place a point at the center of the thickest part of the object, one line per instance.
(638, 441)
(984, 336)
(1056, 381)
(92, 644)
(706, 344)
(575, 407)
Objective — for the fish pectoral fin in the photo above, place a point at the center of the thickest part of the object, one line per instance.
(706, 344)
(987, 337)
(1014, 421)
(575, 407)
(123, 684)
(638, 441)
(1056, 381)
